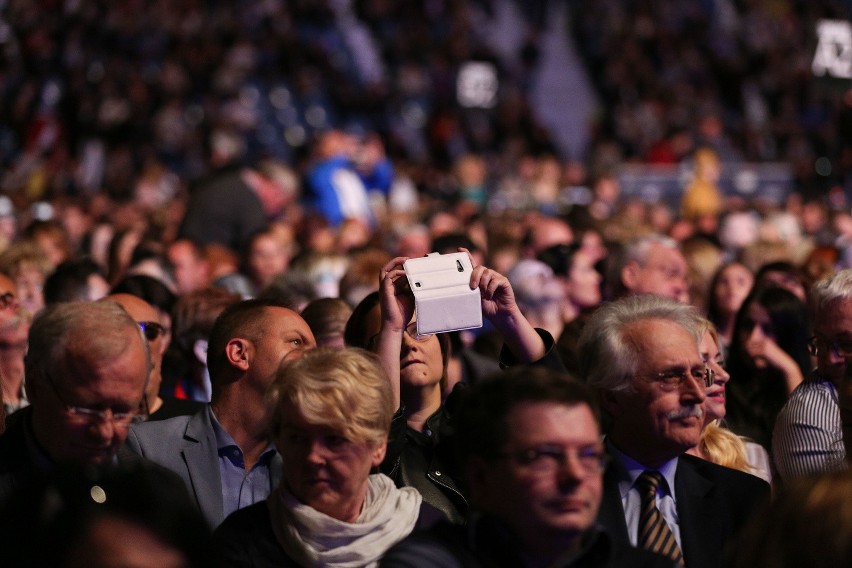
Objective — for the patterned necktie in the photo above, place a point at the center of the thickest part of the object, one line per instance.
(654, 532)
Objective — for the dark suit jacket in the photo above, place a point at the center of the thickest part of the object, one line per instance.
(713, 504)
(16, 466)
(18, 470)
(187, 446)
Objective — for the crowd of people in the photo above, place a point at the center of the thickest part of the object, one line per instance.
(209, 353)
(734, 76)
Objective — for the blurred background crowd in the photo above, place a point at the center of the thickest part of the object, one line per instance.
(297, 141)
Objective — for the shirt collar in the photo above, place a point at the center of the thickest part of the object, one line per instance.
(632, 469)
(225, 441)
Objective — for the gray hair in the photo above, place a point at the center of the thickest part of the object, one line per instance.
(828, 290)
(637, 250)
(607, 359)
(97, 327)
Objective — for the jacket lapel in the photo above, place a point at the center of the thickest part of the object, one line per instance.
(202, 463)
(611, 513)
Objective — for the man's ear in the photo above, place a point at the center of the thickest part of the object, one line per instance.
(239, 353)
(611, 403)
(630, 275)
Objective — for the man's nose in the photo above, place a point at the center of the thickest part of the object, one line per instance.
(102, 429)
(570, 472)
(692, 389)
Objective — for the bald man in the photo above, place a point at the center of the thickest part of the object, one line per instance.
(148, 318)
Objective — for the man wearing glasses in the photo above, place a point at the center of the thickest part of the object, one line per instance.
(808, 437)
(641, 353)
(86, 368)
(531, 446)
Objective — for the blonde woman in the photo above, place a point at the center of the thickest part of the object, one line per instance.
(329, 414)
(718, 444)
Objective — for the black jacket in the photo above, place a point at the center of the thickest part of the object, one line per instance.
(487, 543)
(713, 505)
(426, 460)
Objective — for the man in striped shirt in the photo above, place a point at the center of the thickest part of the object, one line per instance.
(808, 437)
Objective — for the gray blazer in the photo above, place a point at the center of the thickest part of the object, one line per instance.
(187, 446)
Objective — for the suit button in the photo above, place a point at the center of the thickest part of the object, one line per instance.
(437, 473)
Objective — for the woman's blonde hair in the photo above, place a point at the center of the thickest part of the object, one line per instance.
(721, 446)
(344, 389)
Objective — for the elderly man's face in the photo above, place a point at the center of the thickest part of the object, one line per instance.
(663, 273)
(84, 381)
(833, 326)
(549, 484)
(653, 421)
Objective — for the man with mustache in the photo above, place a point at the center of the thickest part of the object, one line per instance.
(641, 353)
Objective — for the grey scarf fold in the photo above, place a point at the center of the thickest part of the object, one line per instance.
(312, 538)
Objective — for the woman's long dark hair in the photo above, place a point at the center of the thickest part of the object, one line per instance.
(754, 397)
(790, 323)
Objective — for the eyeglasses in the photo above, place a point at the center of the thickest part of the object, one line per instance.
(8, 300)
(548, 459)
(151, 329)
(669, 272)
(85, 415)
(838, 347)
(672, 379)
(410, 329)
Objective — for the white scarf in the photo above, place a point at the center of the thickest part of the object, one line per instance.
(312, 538)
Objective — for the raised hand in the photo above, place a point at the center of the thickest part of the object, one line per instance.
(764, 349)
(397, 301)
(500, 308)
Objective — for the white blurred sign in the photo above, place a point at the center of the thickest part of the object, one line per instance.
(477, 85)
(833, 55)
